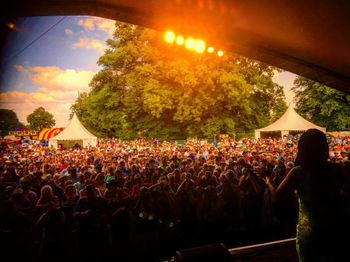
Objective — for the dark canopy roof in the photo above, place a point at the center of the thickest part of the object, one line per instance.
(306, 37)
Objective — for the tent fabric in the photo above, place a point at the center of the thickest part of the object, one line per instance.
(43, 133)
(74, 131)
(289, 121)
(47, 133)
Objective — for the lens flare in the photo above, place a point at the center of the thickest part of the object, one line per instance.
(199, 46)
(169, 36)
(211, 49)
(190, 43)
(180, 40)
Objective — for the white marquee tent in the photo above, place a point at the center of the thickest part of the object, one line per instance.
(74, 133)
(289, 121)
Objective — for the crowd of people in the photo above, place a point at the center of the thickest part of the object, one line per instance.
(145, 199)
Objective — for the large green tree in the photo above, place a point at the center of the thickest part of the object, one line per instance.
(40, 119)
(9, 121)
(321, 104)
(146, 84)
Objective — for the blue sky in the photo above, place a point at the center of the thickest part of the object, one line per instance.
(51, 71)
(59, 64)
(55, 48)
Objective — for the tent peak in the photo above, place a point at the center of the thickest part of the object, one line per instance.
(290, 106)
(289, 121)
(75, 130)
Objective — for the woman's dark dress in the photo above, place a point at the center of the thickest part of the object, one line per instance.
(321, 224)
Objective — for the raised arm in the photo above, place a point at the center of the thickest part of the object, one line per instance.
(287, 186)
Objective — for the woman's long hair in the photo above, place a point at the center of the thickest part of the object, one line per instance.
(46, 195)
(312, 149)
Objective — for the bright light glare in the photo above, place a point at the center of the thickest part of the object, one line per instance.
(211, 49)
(180, 40)
(200, 46)
(190, 43)
(220, 53)
(169, 36)
(197, 45)
(10, 25)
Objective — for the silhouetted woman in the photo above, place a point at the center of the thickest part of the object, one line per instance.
(321, 230)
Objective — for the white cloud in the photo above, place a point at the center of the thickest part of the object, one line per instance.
(58, 90)
(68, 32)
(90, 43)
(98, 23)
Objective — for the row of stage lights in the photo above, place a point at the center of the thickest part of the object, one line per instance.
(190, 43)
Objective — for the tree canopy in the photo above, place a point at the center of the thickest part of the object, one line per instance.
(322, 105)
(40, 119)
(145, 84)
(9, 121)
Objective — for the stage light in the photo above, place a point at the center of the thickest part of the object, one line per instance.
(220, 53)
(211, 49)
(199, 46)
(190, 43)
(180, 40)
(169, 36)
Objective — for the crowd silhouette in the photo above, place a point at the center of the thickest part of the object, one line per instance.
(141, 200)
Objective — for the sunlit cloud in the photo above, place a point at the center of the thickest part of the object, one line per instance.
(58, 90)
(87, 23)
(98, 23)
(68, 31)
(90, 44)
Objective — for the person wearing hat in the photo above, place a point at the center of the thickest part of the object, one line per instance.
(30, 195)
